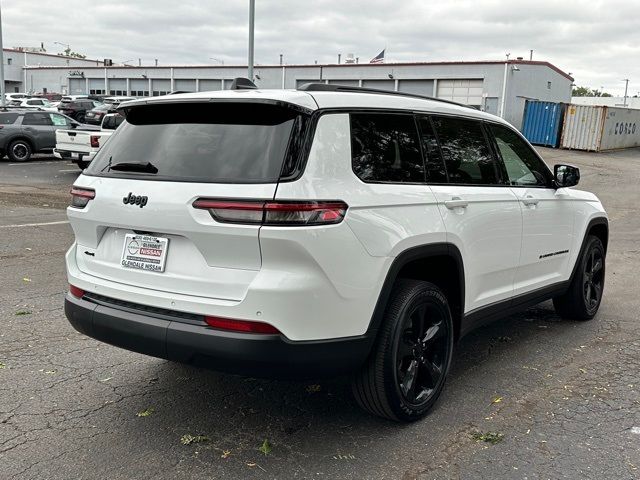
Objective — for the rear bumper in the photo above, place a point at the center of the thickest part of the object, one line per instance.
(197, 344)
(75, 157)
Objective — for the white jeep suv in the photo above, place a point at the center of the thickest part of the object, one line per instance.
(321, 231)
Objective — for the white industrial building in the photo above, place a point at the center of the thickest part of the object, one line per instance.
(497, 87)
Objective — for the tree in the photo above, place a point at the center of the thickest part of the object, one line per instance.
(587, 92)
(68, 53)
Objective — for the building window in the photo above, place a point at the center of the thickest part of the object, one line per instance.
(112, 92)
(549, 85)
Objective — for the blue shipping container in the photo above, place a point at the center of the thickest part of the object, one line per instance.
(542, 122)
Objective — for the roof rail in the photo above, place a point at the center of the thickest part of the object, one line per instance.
(326, 87)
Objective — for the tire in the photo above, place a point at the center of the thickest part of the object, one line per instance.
(403, 377)
(19, 151)
(82, 164)
(80, 117)
(582, 299)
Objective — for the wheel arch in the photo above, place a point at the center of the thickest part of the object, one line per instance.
(599, 227)
(23, 138)
(440, 264)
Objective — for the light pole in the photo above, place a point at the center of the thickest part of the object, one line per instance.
(626, 88)
(64, 45)
(2, 97)
(252, 15)
(504, 86)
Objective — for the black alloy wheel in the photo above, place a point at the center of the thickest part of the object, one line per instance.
(584, 295)
(593, 279)
(19, 151)
(422, 353)
(407, 369)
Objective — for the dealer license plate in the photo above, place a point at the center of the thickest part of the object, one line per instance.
(144, 252)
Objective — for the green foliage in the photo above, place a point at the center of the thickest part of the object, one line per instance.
(265, 447)
(587, 92)
(189, 439)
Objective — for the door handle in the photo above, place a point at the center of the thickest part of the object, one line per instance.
(456, 202)
(530, 201)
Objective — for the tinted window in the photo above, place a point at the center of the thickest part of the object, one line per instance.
(112, 122)
(36, 119)
(218, 143)
(521, 163)
(59, 120)
(466, 153)
(385, 148)
(8, 118)
(436, 173)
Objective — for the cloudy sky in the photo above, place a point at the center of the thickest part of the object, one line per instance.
(597, 41)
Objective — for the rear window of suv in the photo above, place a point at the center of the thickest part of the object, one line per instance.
(8, 118)
(200, 142)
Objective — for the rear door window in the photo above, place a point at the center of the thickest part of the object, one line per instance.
(200, 142)
(8, 118)
(385, 148)
(466, 152)
(36, 119)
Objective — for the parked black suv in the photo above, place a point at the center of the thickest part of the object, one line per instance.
(24, 132)
(77, 109)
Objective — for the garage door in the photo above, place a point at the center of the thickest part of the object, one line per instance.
(160, 86)
(208, 85)
(184, 85)
(380, 84)
(118, 86)
(346, 83)
(419, 87)
(77, 86)
(467, 91)
(139, 87)
(96, 86)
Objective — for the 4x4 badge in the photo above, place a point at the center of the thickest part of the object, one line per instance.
(135, 200)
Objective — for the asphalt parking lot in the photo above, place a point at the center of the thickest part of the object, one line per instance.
(561, 397)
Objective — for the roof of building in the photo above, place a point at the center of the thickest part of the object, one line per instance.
(343, 65)
(16, 50)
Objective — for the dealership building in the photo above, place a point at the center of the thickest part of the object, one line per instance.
(498, 87)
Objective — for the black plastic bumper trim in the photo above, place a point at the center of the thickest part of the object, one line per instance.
(257, 355)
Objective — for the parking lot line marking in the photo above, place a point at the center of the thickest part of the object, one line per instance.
(63, 171)
(34, 224)
(26, 164)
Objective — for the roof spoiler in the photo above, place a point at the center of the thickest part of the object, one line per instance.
(241, 83)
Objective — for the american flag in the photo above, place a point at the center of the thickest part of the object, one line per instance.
(378, 58)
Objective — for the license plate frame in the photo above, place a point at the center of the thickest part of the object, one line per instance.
(144, 252)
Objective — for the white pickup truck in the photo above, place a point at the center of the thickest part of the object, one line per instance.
(80, 146)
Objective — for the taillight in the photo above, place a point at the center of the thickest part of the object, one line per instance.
(75, 291)
(246, 326)
(81, 196)
(95, 141)
(286, 213)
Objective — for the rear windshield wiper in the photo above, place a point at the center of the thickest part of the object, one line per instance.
(134, 167)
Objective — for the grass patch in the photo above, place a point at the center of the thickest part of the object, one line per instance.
(189, 439)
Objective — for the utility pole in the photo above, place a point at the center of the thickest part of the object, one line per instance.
(3, 99)
(280, 59)
(504, 86)
(252, 15)
(530, 55)
(626, 88)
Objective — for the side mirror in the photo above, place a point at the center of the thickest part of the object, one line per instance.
(566, 175)
(75, 124)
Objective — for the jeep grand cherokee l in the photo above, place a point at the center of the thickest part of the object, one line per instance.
(324, 230)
